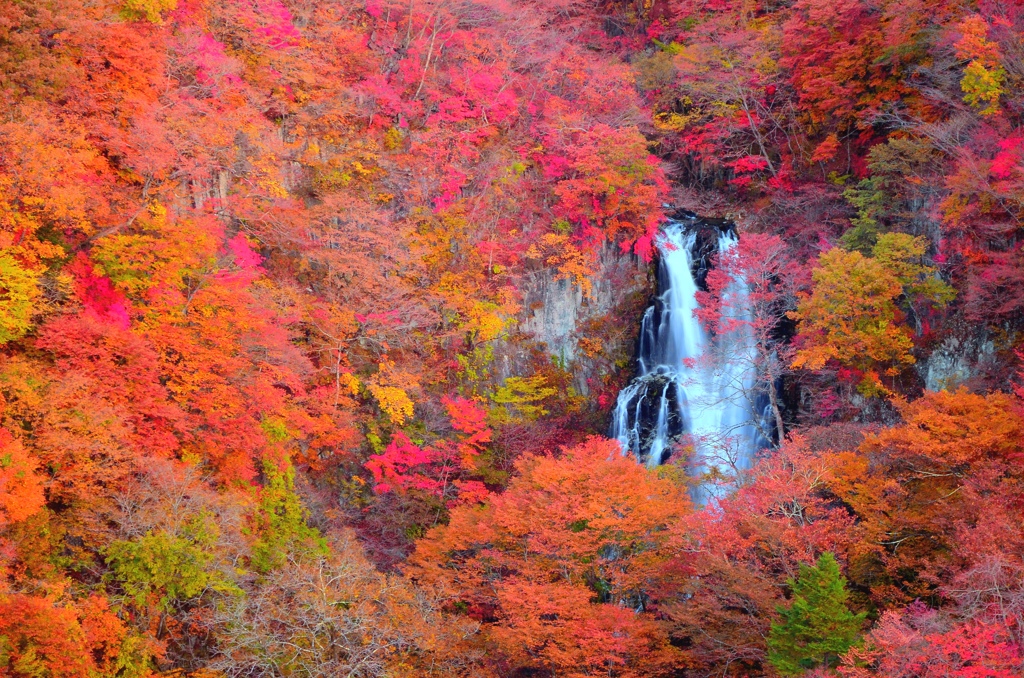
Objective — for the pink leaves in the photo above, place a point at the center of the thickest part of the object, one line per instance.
(478, 95)
(919, 644)
(745, 168)
(451, 189)
(644, 245)
(442, 469)
(405, 466)
(1007, 161)
(245, 257)
(491, 95)
(279, 30)
(553, 166)
(97, 293)
(760, 261)
(246, 261)
(212, 64)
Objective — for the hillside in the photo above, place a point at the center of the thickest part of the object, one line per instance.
(315, 317)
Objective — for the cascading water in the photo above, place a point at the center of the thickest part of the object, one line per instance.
(691, 387)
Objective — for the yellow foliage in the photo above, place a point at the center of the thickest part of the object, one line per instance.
(393, 402)
(19, 290)
(852, 317)
(160, 252)
(311, 155)
(349, 382)
(461, 275)
(393, 138)
(670, 121)
(357, 166)
(983, 86)
(266, 172)
(556, 249)
(896, 252)
(984, 76)
(522, 398)
(485, 321)
(150, 10)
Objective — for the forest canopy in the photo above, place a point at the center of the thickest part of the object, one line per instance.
(314, 313)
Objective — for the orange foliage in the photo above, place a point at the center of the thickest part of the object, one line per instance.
(589, 527)
(721, 597)
(935, 493)
(75, 641)
(21, 492)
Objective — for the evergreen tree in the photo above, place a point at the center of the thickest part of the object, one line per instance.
(817, 627)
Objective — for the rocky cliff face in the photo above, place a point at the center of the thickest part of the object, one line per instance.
(969, 356)
(592, 335)
(956, 361)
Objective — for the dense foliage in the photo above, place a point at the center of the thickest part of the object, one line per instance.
(270, 403)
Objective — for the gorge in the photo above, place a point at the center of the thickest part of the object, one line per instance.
(356, 338)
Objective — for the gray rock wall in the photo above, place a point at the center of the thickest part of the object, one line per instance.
(958, 359)
(557, 315)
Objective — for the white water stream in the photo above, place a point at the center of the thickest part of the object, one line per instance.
(690, 388)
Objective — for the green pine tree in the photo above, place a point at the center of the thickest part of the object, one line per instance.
(817, 627)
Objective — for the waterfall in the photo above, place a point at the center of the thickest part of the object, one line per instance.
(691, 388)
